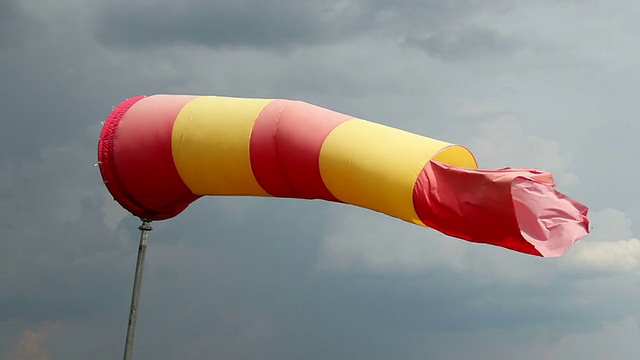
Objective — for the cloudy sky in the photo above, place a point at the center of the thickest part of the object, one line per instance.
(547, 84)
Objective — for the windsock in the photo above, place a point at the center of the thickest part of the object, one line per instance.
(157, 154)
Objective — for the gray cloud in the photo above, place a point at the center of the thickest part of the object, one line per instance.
(495, 139)
(469, 44)
(429, 25)
(247, 23)
(55, 240)
(15, 24)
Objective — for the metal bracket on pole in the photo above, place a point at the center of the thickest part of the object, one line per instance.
(137, 282)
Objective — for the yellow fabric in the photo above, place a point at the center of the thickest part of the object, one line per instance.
(210, 145)
(376, 166)
(456, 155)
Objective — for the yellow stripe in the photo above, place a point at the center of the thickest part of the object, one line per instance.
(376, 166)
(210, 143)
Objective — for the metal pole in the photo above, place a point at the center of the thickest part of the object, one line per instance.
(137, 282)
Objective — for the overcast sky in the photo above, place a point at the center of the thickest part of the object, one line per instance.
(546, 84)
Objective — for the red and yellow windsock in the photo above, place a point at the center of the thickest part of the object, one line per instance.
(160, 153)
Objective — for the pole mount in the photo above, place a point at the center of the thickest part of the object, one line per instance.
(144, 228)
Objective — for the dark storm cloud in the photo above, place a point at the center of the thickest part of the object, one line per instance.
(15, 24)
(57, 82)
(287, 24)
(324, 316)
(469, 44)
(54, 239)
(245, 23)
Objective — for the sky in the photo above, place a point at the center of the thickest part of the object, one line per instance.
(545, 84)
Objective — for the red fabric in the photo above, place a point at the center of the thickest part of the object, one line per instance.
(517, 209)
(106, 161)
(136, 160)
(285, 148)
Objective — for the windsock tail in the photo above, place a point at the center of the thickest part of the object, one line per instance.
(518, 209)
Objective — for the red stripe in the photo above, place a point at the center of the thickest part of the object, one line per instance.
(136, 159)
(517, 209)
(285, 148)
(476, 206)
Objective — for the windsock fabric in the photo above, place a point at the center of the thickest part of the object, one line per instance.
(160, 153)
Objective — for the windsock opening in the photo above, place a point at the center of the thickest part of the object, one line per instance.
(456, 155)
